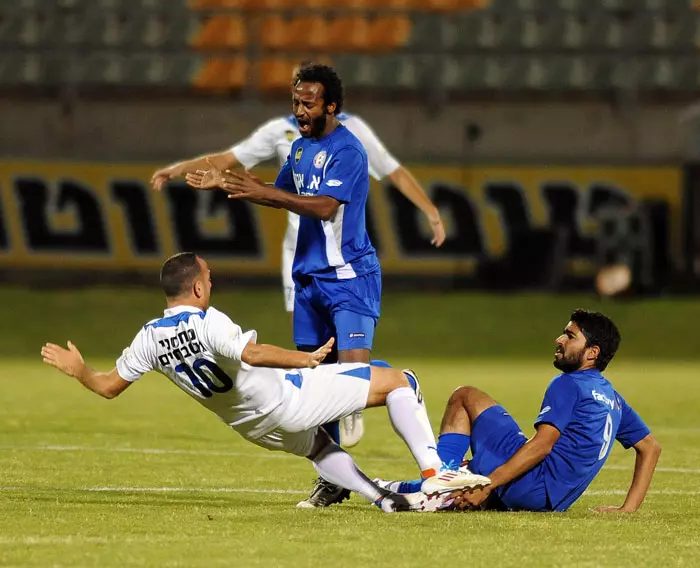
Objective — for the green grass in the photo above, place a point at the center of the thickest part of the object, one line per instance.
(72, 464)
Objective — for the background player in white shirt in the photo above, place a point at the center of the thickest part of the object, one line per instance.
(274, 397)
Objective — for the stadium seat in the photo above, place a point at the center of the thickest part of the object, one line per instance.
(275, 33)
(219, 32)
(388, 33)
(20, 29)
(147, 69)
(426, 32)
(275, 74)
(221, 74)
(398, 72)
(471, 30)
(101, 68)
(476, 73)
(27, 69)
(223, 4)
(309, 32)
(448, 5)
(349, 33)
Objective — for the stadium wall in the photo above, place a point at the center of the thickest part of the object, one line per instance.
(122, 130)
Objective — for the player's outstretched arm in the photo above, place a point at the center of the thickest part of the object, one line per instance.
(70, 362)
(261, 355)
(648, 452)
(528, 456)
(246, 186)
(221, 161)
(411, 189)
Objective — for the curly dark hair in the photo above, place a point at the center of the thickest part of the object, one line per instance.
(326, 75)
(598, 329)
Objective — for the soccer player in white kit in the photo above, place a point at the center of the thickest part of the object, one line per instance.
(273, 397)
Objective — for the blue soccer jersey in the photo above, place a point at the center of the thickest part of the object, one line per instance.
(336, 165)
(589, 414)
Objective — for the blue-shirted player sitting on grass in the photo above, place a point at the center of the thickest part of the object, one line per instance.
(580, 417)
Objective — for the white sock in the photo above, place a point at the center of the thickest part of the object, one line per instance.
(410, 420)
(335, 465)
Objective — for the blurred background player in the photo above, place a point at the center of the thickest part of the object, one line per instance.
(252, 389)
(580, 416)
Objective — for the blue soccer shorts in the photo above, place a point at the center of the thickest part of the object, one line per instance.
(495, 438)
(345, 309)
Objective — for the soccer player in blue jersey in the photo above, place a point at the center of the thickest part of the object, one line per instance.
(580, 417)
(325, 180)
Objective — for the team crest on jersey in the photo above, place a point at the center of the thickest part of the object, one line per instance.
(297, 155)
(320, 159)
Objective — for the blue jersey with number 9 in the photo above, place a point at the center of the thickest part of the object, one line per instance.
(590, 415)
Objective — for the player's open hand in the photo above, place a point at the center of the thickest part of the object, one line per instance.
(160, 176)
(69, 361)
(611, 509)
(242, 185)
(205, 179)
(471, 499)
(438, 230)
(320, 354)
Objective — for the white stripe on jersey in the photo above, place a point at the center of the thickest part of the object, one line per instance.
(334, 239)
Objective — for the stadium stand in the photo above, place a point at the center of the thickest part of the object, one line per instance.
(473, 45)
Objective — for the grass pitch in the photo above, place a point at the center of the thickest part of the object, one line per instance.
(153, 479)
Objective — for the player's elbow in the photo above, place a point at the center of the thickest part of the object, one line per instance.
(252, 355)
(109, 394)
(326, 208)
(545, 450)
(327, 213)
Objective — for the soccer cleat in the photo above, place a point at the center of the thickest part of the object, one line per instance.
(419, 393)
(352, 428)
(399, 486)
(324, 494)
(414, 485)
(450, 480)
(417, 502)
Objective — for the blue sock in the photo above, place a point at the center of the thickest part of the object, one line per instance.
(452, 447)
(410, 486)
(333, 429)
(380, 363)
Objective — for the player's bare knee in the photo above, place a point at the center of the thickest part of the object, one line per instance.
(384, 381)
(463, 395)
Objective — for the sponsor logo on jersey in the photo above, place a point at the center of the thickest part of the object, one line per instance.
(315, 183)
(298, 181)
(320, 159)
(352, 335)
(297, 155)
(334, 183)
(545, 410)
(600, 397)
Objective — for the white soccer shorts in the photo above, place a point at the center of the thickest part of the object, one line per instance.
(314, 397)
